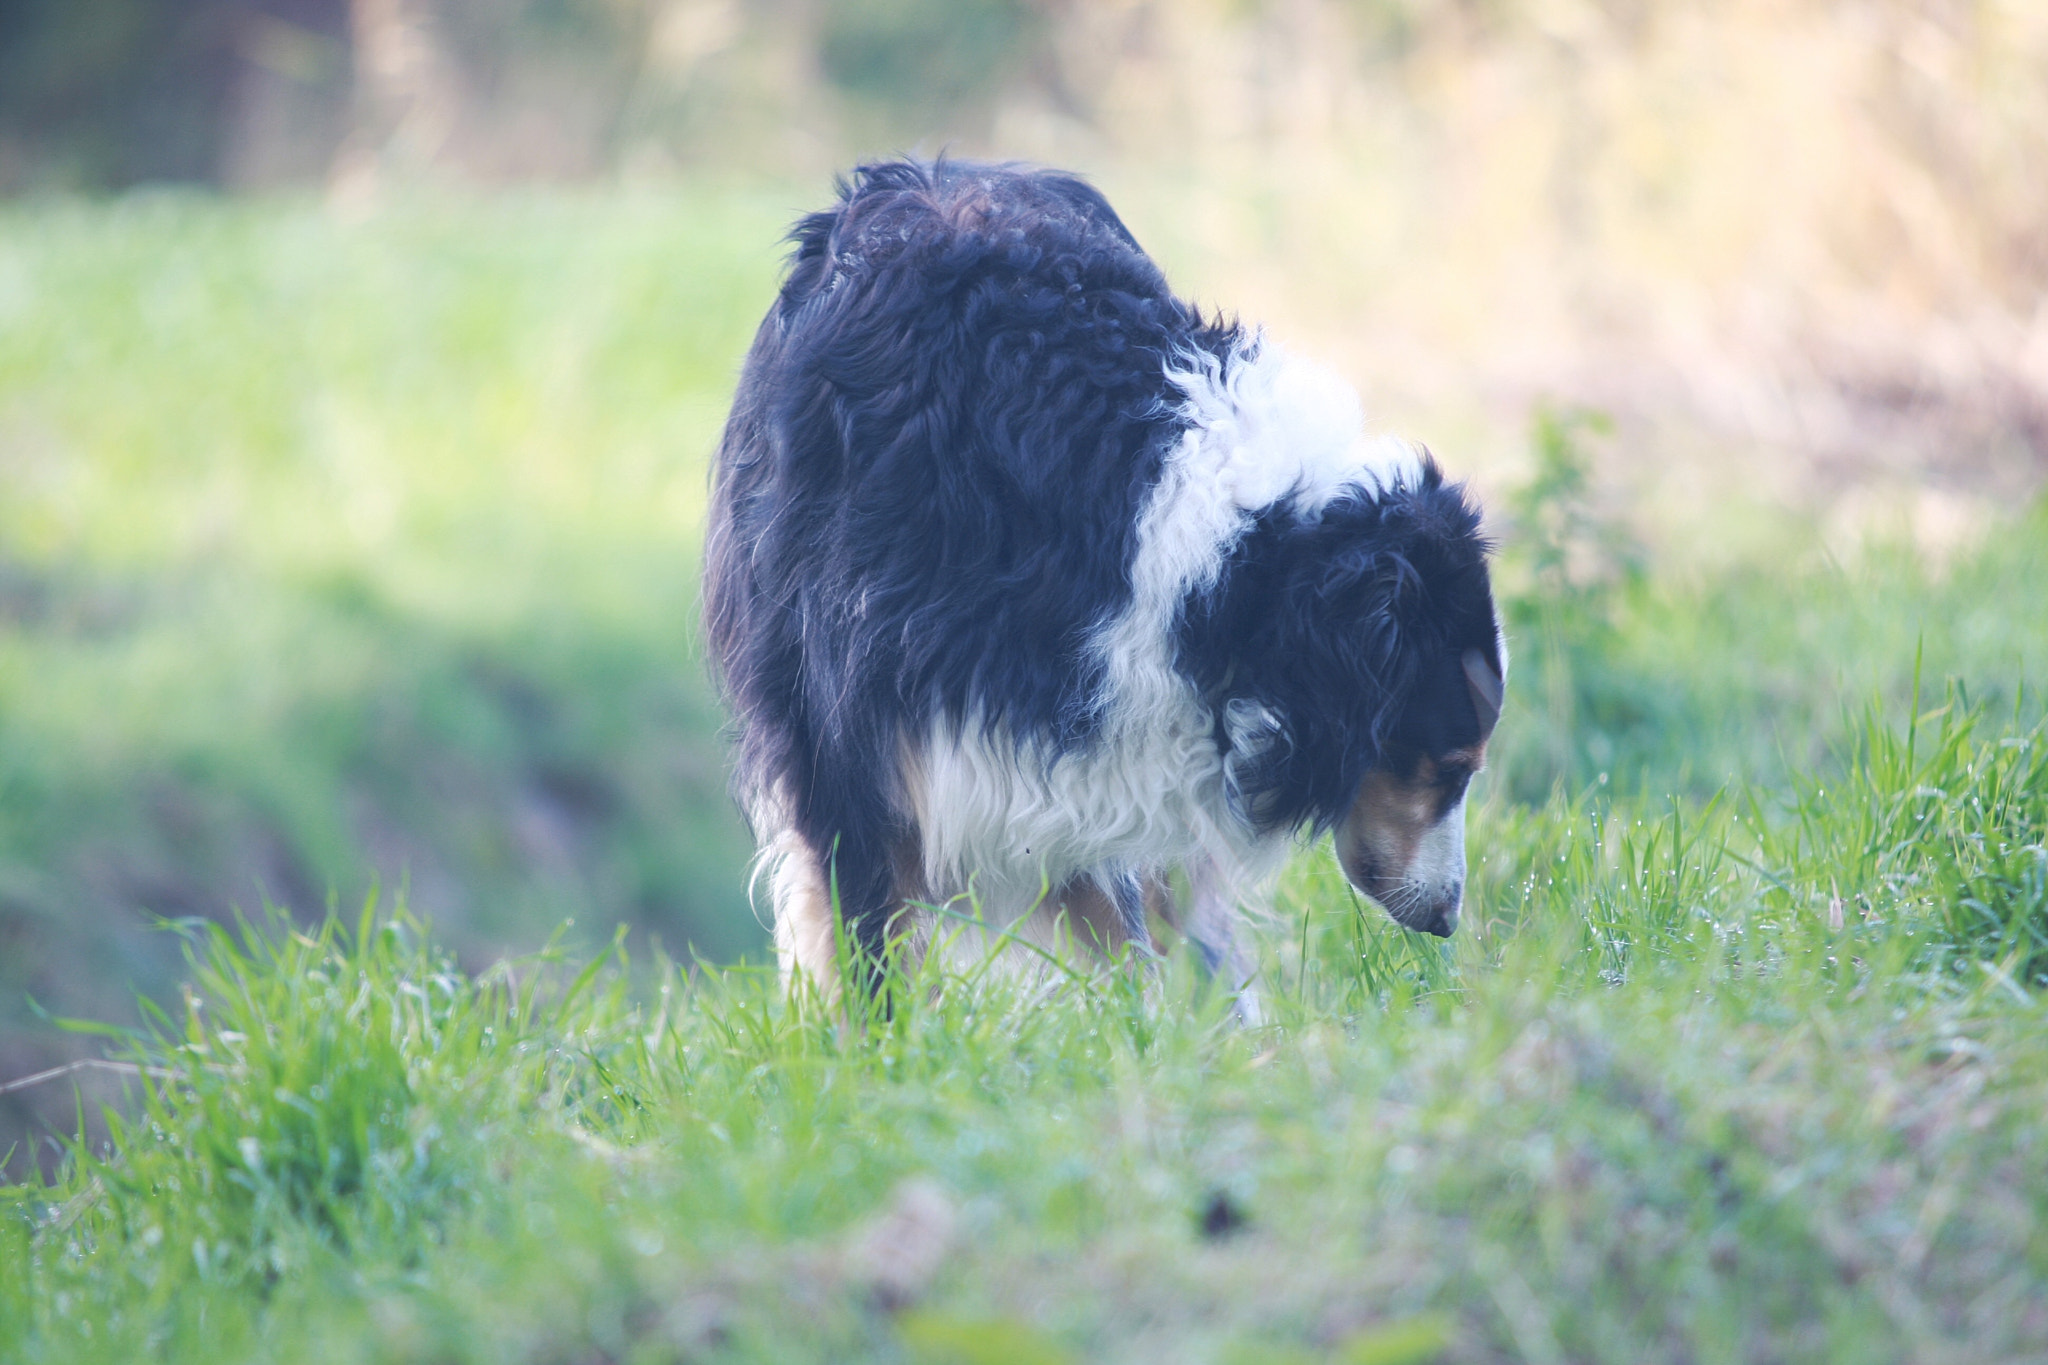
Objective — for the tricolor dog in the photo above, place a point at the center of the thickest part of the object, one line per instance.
(1028, 584)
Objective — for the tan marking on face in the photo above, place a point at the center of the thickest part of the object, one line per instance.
(1383, 831)
(1403, 844)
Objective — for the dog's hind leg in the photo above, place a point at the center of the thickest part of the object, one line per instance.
(806, 937)
(827, 915)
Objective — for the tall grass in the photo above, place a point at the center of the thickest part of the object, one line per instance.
(1756, 1078)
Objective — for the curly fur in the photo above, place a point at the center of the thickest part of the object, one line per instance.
(1023, 574)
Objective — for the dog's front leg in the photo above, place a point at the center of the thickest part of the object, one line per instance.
(1216, 926)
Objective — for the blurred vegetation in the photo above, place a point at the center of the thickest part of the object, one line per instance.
(1803, 238)
(925, 61)
(336, 555)
(1633, 672)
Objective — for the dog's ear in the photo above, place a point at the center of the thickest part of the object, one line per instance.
(1487, 687)
(1257, 754)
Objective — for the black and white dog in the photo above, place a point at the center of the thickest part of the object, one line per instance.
(1028, 585)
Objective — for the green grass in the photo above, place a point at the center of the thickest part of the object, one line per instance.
(341, 553)
(1755, 1081)
(336, 553)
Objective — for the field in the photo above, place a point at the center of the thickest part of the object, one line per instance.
(335, 555)
(347, 575)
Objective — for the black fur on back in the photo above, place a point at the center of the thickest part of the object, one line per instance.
(928, 488)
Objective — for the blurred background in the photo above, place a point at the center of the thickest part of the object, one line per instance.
(360, 361)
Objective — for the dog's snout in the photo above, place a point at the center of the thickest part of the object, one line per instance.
(1427, 910)
(1401, 846)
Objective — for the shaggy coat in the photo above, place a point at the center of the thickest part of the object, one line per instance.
(1028, 585)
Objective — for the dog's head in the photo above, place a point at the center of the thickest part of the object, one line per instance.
(1364, 673)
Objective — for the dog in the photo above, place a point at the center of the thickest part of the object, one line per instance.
(1030, 586)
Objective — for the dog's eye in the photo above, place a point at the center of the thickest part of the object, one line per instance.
(1453, 775)
(1460, 764)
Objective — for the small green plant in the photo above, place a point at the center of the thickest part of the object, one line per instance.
(1936, 823)
(314, 1093)
(1574, 551)
(1570, 568)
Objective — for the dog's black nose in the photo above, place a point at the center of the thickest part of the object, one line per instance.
(1444, 922)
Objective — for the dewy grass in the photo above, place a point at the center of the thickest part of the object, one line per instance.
(1940, 824)
(1753, 1079)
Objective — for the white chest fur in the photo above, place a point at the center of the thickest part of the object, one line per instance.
(1148, 794)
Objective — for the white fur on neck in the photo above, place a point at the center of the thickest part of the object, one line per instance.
(1148, 793)
(1271, 426)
